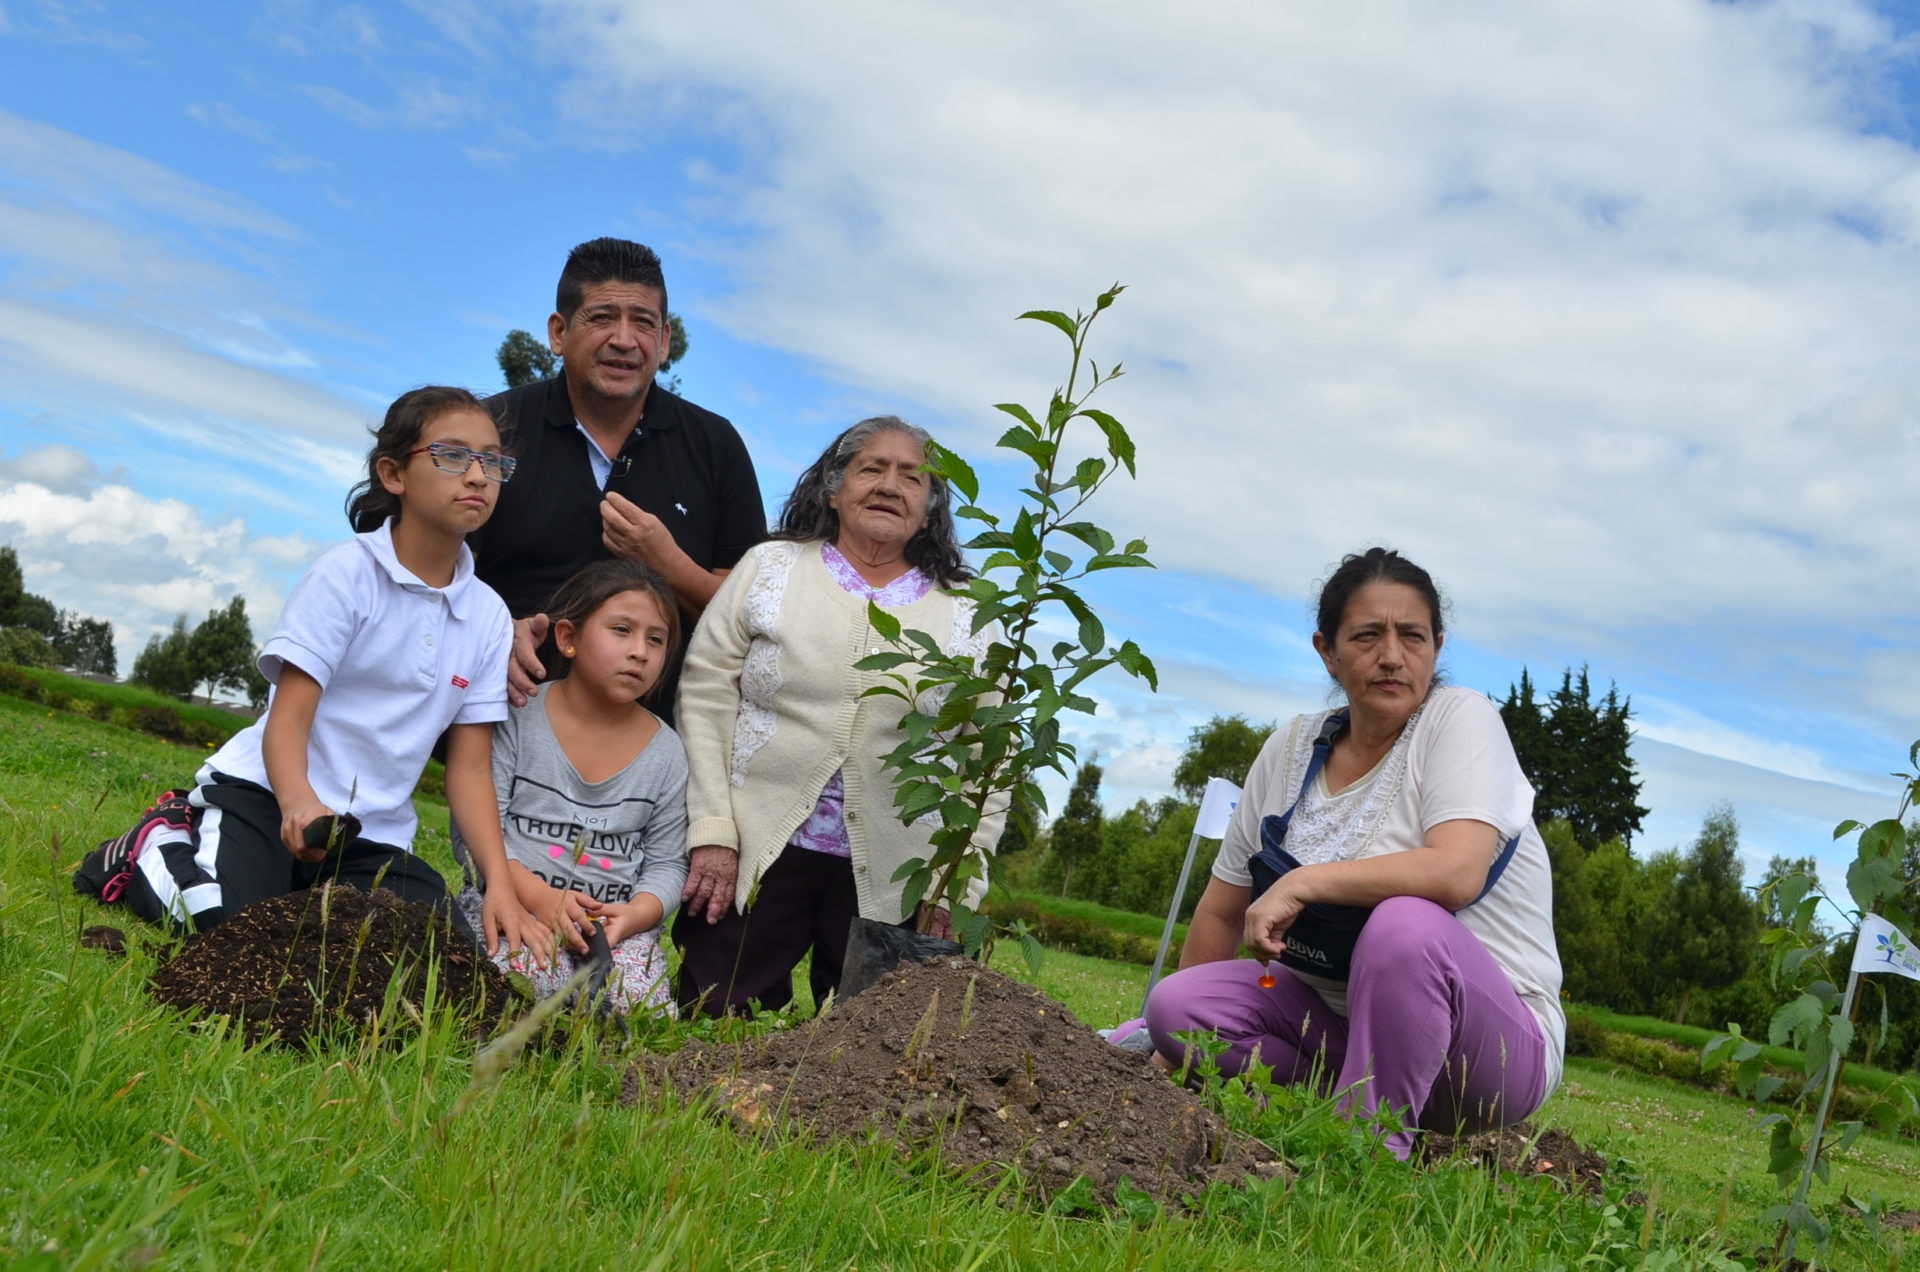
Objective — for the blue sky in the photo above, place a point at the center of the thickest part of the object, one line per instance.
(1603, 312)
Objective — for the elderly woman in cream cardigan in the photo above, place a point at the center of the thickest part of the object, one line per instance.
(790, 812)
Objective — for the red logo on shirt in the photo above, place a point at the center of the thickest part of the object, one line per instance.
(459, 682)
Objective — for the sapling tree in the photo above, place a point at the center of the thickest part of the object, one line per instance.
(1808, 967)
(979, 731)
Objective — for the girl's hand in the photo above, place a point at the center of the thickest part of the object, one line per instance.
(1269, 918)
(293, 828)
(504, 919)
(631, 919)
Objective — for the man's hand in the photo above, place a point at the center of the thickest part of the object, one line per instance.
(711, 874)
(524, 669)
(633, 533)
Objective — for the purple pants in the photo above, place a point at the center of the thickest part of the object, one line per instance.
(1433, 1026)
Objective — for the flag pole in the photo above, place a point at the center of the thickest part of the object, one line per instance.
(1173, 913)
(1820, 1118)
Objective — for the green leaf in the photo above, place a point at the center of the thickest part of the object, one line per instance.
(1088, 533)
(1135, 663)
(1037, 449)
(1087, 474)
(1846, 828)
(1026, 537)
(1035, 952)
(1110, 561)
(1871, 878)
(1054, 317)
(1795, 1020)
(957, 471)
(1060, 562)
(1093, 634)
(882, 622)
(1883, 839)
(1119, 445)
(1020, 413)
(883, 662)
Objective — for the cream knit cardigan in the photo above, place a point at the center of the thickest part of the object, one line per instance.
(770, 709)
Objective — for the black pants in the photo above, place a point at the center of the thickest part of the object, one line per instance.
(238, 859)
(806, 901)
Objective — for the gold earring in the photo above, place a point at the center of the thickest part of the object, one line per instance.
(568, 651)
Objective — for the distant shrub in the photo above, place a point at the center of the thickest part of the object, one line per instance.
(24, 647)
(1585, 1036)
(161, 722)
(1077, 935)
(18, 684)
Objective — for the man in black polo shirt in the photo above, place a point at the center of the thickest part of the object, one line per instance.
(611, 464)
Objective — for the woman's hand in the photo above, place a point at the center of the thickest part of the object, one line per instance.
(941, 928)
(712, 872)
(1269, 917)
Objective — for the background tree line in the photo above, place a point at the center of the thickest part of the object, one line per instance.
(218, 653)
(36, 633)
(1674, 933)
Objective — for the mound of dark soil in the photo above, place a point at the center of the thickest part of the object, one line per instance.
(1515, 1150)
(948, 1055)
(311, 964)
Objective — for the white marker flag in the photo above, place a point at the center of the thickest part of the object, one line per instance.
(1882, 947)
(1216, 808)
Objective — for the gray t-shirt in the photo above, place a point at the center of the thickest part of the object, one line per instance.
(634, 824)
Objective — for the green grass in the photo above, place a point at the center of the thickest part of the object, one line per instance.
(121, 702)
(1141, 925)
(136, 1137)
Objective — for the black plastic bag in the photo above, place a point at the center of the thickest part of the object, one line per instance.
(875, 948)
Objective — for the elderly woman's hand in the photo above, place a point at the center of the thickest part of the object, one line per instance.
(941, 926)
(1269, 917)
(711, 873)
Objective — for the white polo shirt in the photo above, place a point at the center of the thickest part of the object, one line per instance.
(397, 661)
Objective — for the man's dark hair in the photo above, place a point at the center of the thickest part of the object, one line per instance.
(607, 260)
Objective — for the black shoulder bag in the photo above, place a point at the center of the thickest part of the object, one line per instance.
(1321, 938)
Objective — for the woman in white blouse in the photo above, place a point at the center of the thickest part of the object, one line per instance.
(1404, 817)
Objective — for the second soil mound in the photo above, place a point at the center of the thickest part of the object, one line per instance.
(314, 963)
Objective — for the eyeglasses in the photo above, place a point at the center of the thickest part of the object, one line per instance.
(449, 458)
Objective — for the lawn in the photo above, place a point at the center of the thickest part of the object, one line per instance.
(139, 1138)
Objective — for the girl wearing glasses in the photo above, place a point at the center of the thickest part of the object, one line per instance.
(387, 640)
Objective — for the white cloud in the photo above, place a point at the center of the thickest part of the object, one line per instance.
(114, 553)
(1599, 311)
(56, 467)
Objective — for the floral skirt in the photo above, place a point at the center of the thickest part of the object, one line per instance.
(638, 981)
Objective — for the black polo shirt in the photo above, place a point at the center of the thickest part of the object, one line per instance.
(685, 465)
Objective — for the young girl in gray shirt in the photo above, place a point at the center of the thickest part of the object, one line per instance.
(592, 789)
